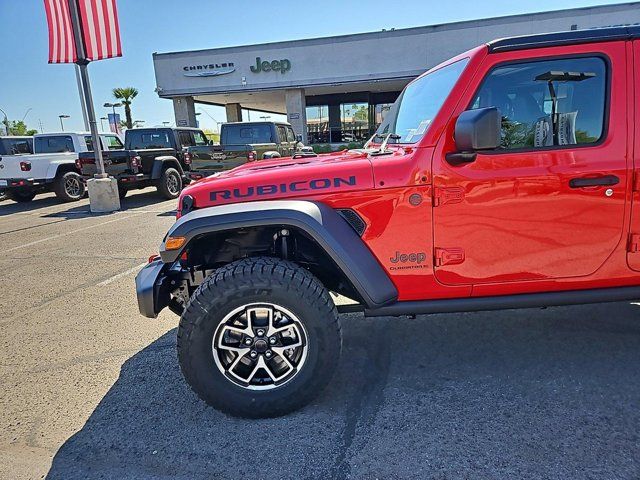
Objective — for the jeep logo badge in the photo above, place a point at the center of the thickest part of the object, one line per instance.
(418, 257)
(408, 261)
(281, 66)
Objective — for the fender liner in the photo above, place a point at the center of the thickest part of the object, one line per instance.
(323, 224)
(160, 162)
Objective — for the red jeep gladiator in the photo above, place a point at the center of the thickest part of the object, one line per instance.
(506, 177)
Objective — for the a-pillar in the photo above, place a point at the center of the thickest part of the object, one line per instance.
(297, 111)
(234, 112)
(185, 112)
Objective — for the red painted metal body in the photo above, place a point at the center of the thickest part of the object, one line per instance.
(507, 223)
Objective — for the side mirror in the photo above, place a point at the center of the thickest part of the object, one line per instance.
(477, 129)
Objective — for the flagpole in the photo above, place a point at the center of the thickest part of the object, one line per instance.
(82, 63)
(82, 102)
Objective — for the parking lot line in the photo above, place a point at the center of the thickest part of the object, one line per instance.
(52, 237)
(120, 275)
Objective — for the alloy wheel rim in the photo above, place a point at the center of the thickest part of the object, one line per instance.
(172, 184)
(260, 346)
(72, 187)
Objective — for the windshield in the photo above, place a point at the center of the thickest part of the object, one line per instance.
(420, 102)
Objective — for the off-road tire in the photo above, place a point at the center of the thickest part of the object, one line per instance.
(20, 196)
(249, 281)
(69, 187)
(165, 183)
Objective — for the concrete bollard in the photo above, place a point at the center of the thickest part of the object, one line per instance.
(103, 195)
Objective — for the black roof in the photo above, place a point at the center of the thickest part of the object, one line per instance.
(571, 37)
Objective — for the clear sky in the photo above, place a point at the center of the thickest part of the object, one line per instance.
(27, 81)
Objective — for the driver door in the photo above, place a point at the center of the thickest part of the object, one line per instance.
(549, 203)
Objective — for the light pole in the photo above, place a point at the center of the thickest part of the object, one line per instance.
(26, 113)
(166, 123)
(265, 117)
(61, 123)
(138, 123)
(6, 121)
(112, 106)
(102, 119)
(216, 121)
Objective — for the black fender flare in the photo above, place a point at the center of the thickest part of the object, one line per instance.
(320, 222)
(160, 163)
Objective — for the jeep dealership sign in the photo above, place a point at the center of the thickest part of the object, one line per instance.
(281, 66)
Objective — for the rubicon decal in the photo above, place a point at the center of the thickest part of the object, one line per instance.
(272, 188)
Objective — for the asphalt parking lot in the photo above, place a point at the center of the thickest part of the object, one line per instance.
(90, 389)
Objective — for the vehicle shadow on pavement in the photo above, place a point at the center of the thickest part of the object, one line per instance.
(130, 202)
(9, 207)
(536, 393)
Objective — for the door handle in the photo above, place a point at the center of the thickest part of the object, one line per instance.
(606, 181)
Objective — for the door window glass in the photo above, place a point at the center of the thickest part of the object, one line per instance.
(186, 140)
(291, 136)
(54, 144)
(282, 133)
(547, 103)
(200, 139)
(113, 142)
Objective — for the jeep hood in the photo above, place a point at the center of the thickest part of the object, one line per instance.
(284, 178)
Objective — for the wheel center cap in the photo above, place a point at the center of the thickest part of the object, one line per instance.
(261, 346)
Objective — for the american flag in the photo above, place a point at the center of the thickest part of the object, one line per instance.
(100, 31)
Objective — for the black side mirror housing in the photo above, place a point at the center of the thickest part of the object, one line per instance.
(477, 129)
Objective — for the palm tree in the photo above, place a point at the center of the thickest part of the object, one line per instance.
(126, 95)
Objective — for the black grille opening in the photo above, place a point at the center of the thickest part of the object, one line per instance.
(353, 219)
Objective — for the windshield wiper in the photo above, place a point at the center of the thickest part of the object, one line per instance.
(383, 146)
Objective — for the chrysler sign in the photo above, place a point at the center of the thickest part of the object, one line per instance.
(208, 70)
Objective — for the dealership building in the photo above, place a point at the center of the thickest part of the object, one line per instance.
(338, 89)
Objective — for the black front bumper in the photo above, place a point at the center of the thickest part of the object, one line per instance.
(152, 288)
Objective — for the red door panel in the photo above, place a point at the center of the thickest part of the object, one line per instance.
(633, 257)
(517, 216)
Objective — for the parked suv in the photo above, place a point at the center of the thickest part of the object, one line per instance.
(242, 142)
(47, 163)
(508, 176)
(159, 157)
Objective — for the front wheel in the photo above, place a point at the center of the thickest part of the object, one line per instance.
(170, 183)
(259, 338)
(69, 187)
